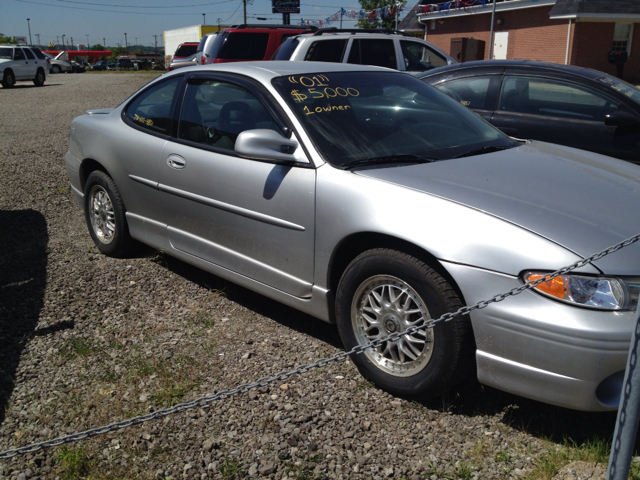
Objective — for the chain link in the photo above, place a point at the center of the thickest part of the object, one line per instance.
(304, 368)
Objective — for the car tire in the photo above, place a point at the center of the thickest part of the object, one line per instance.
(105, 216)
(56, 69)
(40, 77)
(9, 79)
(384, 291)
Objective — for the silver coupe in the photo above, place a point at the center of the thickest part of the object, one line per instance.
(365, 197)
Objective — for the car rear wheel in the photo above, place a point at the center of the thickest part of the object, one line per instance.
(105, 216)
(39, 80)
(56, 69)
(9, 80)
(385, 291)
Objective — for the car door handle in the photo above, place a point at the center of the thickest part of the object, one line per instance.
(176, 161)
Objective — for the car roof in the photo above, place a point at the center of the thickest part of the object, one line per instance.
(266, 70)
(501, 64)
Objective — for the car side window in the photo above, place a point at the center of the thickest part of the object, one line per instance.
(214, 113)
(419, 57)
(29, 53)
(378, 52)
(470, 92)
(326, 50)
(38, 53)
(18, 54)
(553, 98)
(151, 109)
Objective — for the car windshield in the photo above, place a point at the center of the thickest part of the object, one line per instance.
(620, 86)
(358, 118)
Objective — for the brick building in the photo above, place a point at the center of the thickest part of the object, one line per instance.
(574, 32)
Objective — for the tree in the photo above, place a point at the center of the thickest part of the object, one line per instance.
(5, 39)
(387, 20)
(117, 51)
(97, 47)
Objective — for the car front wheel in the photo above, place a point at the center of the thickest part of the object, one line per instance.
(385, 291)
(105, 216)
(9, 80)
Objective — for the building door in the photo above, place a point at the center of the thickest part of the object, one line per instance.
(500, 43)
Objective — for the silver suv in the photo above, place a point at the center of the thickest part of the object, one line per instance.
(22, 63)
(383, 48)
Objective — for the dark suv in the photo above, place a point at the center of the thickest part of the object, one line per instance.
(124, 64)
(245, 42)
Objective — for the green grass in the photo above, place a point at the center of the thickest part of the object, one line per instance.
(74, 463)
(77, 347)
(230, 470)
(556, 457)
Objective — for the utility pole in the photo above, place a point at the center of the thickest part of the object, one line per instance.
(126, 47)
(71, 42)
(38, 35)
(156, 40)
(88, 46)
(493, 16)
(204, 19)
(218, 24)
(244, 11)
(104, 43)
(29, 25)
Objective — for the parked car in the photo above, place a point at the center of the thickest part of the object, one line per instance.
(22, 63)
(365, 197)
(572, 106)
(245, 42)
(157, 65)
(58, 64)
(111, 66)
(185, 50)
(124, 64)
(384, 48)
(101, 65)
(77, 68)
(186, 62)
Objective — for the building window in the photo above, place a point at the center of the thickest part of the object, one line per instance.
(622, 33)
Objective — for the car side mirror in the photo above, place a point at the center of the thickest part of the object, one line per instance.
(265, 144)
(621, 119)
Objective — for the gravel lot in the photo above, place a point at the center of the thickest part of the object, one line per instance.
(86, 340)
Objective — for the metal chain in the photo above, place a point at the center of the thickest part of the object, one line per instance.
(304, 368)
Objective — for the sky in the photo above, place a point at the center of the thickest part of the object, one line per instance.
(140, 20)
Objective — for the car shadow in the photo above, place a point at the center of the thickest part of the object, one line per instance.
(284, 315)
(23, 278)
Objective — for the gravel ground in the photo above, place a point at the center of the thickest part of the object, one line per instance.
(86, 340)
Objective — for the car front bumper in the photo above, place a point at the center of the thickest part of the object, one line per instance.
(543, 349)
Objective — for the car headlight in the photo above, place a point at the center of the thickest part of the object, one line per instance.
(593, 292)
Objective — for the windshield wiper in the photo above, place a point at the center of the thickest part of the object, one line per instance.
(480, 151)
(388, 159)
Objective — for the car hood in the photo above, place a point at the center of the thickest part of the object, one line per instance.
(583, 201)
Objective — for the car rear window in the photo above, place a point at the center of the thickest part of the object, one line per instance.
(185, 50)
(326, 51)
(151, 109)
(244, 46)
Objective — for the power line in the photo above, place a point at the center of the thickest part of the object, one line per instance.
(109, 11)
(142, 6)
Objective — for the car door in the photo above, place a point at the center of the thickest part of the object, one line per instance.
(253, 217)
(477, 92)
(19, 64)
(31, 64)
(557, 111)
